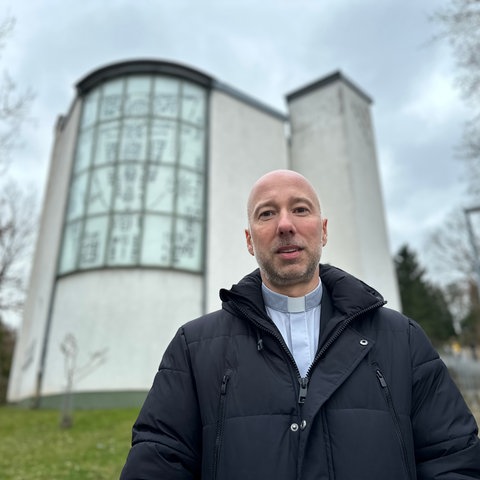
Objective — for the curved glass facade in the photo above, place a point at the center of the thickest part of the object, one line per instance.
(138, 182)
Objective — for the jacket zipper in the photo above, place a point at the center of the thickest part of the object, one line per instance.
(220, 421)
(274, 334)
(396, 421)
(303, 381)
(328, 344)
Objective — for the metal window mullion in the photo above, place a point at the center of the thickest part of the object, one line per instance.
(205, 130)
(176, 167)
(89, 171)
(205, 212)
(146, 164)
(112, 211)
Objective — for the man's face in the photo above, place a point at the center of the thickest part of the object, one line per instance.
(286, 232)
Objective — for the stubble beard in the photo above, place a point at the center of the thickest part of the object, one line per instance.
(288, 275)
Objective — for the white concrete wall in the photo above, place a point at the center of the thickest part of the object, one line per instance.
(319, 151)
(332, 144)
(376, 259)
(28, 350)
(245, 143)
(132, 314)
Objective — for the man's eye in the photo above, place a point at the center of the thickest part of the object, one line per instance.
(301, 210)
(266, 214)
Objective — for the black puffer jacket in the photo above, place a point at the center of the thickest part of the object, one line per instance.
(378, 403)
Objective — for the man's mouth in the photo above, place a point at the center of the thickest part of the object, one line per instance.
(289, 249)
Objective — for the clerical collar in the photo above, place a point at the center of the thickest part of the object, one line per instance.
(282, 303)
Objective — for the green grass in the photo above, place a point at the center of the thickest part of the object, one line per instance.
(33, 447)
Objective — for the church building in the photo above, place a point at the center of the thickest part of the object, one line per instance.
(145, 209)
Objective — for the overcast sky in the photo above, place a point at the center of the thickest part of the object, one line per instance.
(266, 48)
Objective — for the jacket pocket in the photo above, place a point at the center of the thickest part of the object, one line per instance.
(396, 422)
(220, 427)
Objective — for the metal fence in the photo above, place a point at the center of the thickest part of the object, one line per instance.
(466, 372)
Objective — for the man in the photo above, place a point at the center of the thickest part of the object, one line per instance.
(303, 374)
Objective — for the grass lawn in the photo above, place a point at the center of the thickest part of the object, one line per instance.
(33, 447)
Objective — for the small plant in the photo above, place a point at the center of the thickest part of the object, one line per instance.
(74, 373)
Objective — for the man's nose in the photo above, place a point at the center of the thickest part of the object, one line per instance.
(286, 224)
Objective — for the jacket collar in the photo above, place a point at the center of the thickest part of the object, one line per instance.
(349, 296)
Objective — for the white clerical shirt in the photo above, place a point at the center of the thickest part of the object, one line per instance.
(298, 320)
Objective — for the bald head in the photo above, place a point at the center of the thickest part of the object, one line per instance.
(286, 232)
(279, 179)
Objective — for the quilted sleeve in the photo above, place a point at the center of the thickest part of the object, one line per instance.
(445, 432)
(166, 436)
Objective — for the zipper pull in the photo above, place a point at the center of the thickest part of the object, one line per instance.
(381, 379)
(225, 379)
(302, 395)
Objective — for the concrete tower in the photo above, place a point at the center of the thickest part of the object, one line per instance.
(332, 144)
(144, 214)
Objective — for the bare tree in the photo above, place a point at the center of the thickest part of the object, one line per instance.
(17, 208)
(17, 211)
(14, 106)
(18, 226)
(459, 23)
(452, 263)
(7, 343)
(75, 372)
(449, 250)
(469, 150)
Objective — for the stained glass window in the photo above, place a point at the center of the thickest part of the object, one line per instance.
(137, 193)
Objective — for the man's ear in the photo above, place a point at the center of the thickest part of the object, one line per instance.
(324, 232)
(248, 237)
